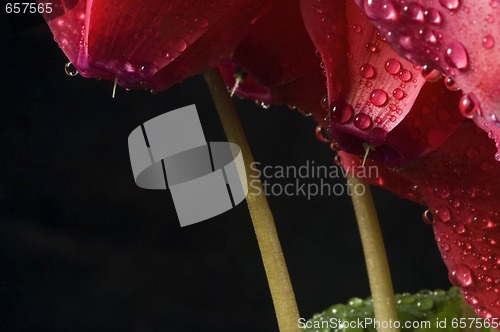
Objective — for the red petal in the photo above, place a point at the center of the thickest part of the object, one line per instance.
(379, 91)
(456, 36)
(461, 185)
(281, 62)
(154, 45)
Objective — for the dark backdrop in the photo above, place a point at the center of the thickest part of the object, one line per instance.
(82, 248)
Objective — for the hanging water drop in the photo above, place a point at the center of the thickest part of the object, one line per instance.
(450, 4)
(414, 12)
(367, 71)
(431, 74)
(363, 121)
(380, 10)
(456, 55)
(322, 134)
(469, 106)
(427, 217)
(451, 84)
(341, 112)
(70, 69)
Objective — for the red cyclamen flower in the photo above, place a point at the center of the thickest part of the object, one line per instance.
(425, 148)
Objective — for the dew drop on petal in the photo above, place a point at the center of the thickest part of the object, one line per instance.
(367, 71)
(70, 69)
(378, 97)
(180, 45)
(147, 70)
(456, 55)
(468, 106)
(427, 217)
(405, 75)
(451, 84)
(363, 121)
(461, 276)
(380, 10)
(414, 12)
(430, 74)
(450, 4)
(488, 42)
(201, 22)
(322, 134)
(371, 47)
(341, 112)
(357, 28)
(392, 66)
(398, 94)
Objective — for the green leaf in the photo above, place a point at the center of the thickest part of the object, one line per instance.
(424, 311)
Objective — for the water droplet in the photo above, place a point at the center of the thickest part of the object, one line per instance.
(429, 36)
(323, 134)
(469, 106)
(488, 42)
(445, 247)
(264, 105)
(456, 55)
(378, 97)
(341, 112)
(357, 28)
(414, 12)
(451, 84)
(147, 70)
(392, 66)
(201, 22)
(180, 45)
(380, 10)
(443, 213)
(427, 217)
(459, 228)
(371, 47)
(70, 69)
(367, 71)
(461, 276)
(405, 75)
(433, 16)
(398, 94)
(450, 4)
(363, 121)
(431, 74)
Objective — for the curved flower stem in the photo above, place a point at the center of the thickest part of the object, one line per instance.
(375, 255)
(280, 285)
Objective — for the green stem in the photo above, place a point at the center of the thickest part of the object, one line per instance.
(375, 255)
(280, 285)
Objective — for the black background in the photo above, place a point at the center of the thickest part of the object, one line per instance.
(82, 248)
